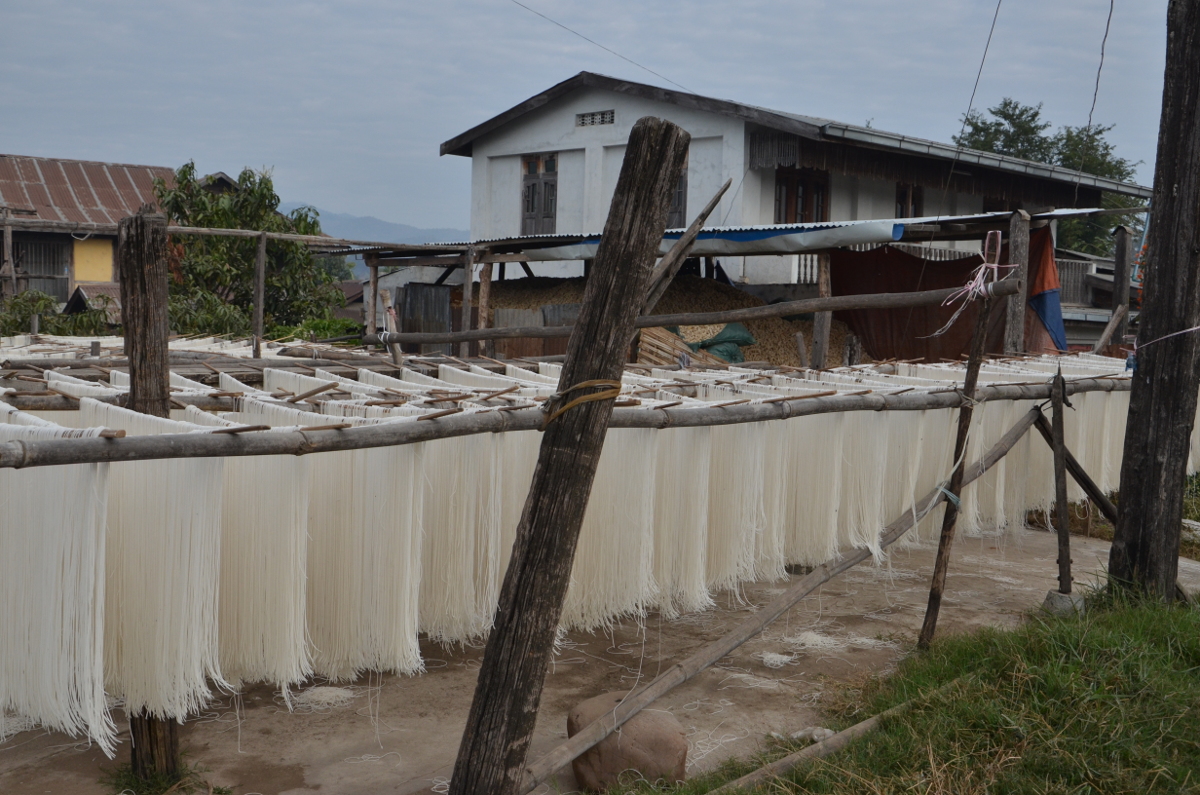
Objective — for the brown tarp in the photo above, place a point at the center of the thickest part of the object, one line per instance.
(905, 333)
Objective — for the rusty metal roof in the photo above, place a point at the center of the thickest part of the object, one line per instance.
(77, 191)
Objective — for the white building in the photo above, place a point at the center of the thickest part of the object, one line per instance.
(550, 165)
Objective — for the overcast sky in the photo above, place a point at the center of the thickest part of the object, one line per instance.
(348, 101)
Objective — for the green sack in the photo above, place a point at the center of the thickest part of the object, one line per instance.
(728, 351)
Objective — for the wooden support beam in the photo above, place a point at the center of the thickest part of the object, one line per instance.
(491, 758)
(1110, 328)
(1062, 509)
(1122, 270)
(142, 265)
(1098, 497)
(822, 321)
(666, 269)
(260, 292)
(528, 271)
(593, 733)
(942, 562)
(444, 275)
(58, 452)
(802, 349)
(1018, 254)
(820, 305)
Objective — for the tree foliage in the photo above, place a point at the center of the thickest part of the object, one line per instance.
(212, 286)
(1017, 130)
(17, 311)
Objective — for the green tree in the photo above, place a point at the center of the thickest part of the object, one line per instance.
(1017, 130)
(212, 287)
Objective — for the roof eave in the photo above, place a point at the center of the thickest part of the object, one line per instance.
(1029, 168)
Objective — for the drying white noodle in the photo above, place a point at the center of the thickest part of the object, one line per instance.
(163, 563)
(264, 541)
(52, 548)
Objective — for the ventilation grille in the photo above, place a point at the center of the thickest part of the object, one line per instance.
(595, 117)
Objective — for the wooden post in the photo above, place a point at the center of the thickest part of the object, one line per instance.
(464, 348)
(1162, 405)
(372, 320)
(822, 321)
(142, 265)
(1098, 497)
(1018, 254)
(389, 324)
(34, 324)
(802, 349)
(485, 296)
(491, 758)
(260, 292)
(942, 562)
(1058, 398)
(1122, 266)
(10, 267)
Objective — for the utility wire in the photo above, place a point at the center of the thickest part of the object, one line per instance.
(1087, 135)
(601, 46)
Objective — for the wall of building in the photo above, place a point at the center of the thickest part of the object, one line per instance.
(93, 260)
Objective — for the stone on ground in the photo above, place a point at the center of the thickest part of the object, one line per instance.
(650, 745)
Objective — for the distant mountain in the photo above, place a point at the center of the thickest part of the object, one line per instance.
(364, 227)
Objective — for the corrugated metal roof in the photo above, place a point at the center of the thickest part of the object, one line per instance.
(77, 191)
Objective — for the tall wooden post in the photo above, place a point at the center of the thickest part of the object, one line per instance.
(1162, 405)
(1018, 254)
(464, 348)
(260, 292)
(485, 296)
(942, 563)
(1122, 266)
(491, 758)
(142, 265)
(1058, 399)
(822, 321)
(372, 263)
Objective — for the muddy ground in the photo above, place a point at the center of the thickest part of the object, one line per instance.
(399, 734)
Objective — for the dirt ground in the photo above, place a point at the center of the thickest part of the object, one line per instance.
(399, 734)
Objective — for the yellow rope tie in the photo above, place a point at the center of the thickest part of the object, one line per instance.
(611, 393)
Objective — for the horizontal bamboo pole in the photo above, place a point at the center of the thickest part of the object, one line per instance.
(834, 304)
(59, 402)
(594, 732)
(55, 452)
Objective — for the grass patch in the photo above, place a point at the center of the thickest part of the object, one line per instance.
(1106, 703)
(121, 781)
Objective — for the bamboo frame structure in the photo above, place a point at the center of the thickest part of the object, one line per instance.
(56, 452)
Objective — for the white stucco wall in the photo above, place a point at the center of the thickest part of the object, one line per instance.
(590, 161)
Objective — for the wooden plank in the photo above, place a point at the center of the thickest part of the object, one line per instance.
(1018, 254)
(491, 758)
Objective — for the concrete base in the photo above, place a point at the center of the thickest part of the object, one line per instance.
(1063, 604)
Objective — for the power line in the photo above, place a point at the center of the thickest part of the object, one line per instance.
(1087, 135)
(601, 46)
